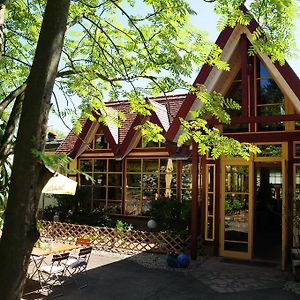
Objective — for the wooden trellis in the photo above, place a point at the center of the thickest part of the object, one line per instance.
(106, 238)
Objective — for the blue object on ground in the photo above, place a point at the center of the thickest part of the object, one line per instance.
(172, 261)
(183, 260)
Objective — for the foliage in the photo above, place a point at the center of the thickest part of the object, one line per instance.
(120, 228)
(75, 209)
(233, 205)
(208, 138)
(171, 214)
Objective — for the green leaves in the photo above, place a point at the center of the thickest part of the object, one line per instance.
(276, 19)
(150, 132)
(208, 138)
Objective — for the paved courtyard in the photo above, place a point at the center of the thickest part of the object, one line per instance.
(146, 276)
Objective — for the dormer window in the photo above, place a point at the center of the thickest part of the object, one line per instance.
(142, 144)
(99, 141)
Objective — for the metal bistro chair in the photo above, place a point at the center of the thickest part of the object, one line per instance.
(83, 242)
(76, 267)
(52, 274)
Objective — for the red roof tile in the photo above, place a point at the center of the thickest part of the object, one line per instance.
(172, 104)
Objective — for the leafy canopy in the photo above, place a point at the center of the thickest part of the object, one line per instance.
(131, 49)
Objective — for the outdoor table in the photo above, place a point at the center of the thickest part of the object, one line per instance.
(38, 254)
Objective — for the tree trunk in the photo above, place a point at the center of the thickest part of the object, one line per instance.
(29, 175)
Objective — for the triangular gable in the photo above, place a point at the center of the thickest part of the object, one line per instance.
(166, 108)
(228, 41)
(159, 116)
(77, 144)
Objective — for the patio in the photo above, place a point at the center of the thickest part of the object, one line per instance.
(115, 275)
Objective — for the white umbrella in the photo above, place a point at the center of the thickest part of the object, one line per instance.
(60, 184)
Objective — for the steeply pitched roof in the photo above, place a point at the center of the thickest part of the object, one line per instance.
(166, 109)
(228, 41)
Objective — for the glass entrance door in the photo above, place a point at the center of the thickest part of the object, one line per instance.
(236, 210)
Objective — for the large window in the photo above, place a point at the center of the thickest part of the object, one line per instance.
(235, 93)
(269, 98)
(106, 191)
(147, 180)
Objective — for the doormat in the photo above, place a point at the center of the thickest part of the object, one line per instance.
(254, 263)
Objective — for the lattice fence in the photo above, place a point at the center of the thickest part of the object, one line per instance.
(106, 238)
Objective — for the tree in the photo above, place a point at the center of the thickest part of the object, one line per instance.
(107, 50)
(19, 231)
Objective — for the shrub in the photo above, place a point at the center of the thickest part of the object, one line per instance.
(171, 214)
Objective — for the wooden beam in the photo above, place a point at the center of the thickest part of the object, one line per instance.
(194, 221)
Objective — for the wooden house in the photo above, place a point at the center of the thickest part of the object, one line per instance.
(241, 208)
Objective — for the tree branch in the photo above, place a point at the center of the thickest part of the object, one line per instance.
(6, 142)
(10, 97)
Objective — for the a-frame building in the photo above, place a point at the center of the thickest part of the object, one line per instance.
(241, 208)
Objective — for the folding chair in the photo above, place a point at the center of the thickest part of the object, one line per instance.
(84, 242)
(76, 267)
(34, 262)
(52, 274)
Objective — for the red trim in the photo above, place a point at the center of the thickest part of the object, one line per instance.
(200, 79)
(272, 136)
(259, 119)
(132, 133)
(290, 76)
(86, 127)
(286, 71)
(244, 67)
(194, 222)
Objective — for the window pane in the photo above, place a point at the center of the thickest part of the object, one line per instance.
(210, 179)
(297, 150)
(268, 92)
(279, 126)
(84, 180)
(133, 180)
(262, 72)
(100, 179)
(270, 110)
(100, 165)
(274, 150)
(99, 192)
(150, 165)
(150, 181)
(114, 207)
(86, 165)
(133, 165)
(115, 179)
(114, 165)
(236, 179)
(167, 166)
(100, 142)
(114, 193)
(186, 175)
(186, 195)
(133, 198)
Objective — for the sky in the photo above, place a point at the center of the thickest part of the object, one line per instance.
(206, 20)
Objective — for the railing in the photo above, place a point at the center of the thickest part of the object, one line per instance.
(106, 238)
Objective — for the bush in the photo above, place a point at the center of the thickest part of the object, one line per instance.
(171, 214)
